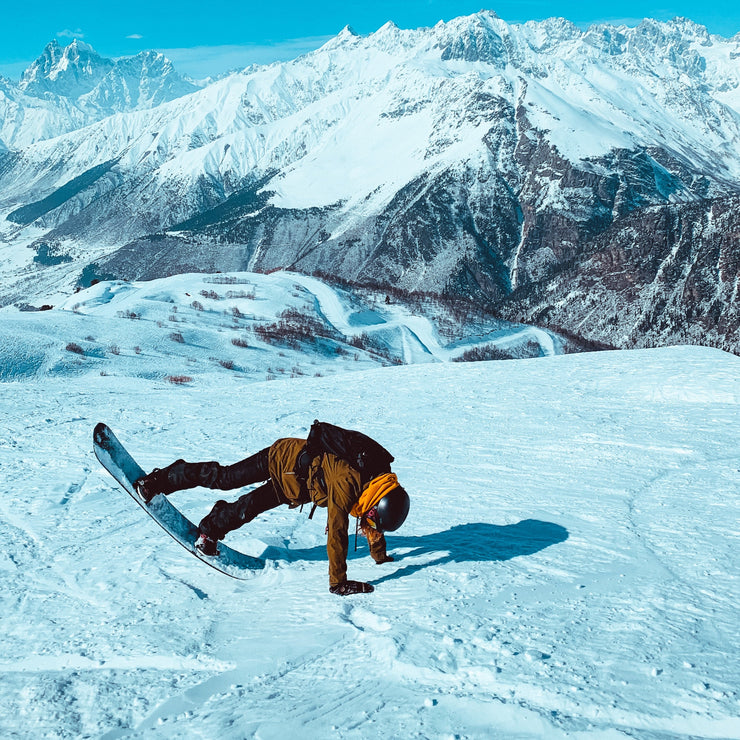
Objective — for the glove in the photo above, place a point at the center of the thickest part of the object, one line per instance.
(385, 559)
(351, 587)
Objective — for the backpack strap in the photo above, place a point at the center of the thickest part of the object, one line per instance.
(303, 464)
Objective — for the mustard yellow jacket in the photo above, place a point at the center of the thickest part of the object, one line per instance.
(342, 492)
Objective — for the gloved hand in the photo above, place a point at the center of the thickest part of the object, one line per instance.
(385, 559)
(351, 587)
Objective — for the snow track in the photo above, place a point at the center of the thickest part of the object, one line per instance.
(569, 568)
(418, 337)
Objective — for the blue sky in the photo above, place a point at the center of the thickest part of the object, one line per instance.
(209, 37)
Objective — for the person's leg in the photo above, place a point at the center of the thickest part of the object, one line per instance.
(181, 475)
(225, 516)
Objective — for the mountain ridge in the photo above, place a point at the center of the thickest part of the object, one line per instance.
(475, 158)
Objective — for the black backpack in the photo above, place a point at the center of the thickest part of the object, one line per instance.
(363, 453)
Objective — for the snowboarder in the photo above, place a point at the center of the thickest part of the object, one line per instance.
(293, 478)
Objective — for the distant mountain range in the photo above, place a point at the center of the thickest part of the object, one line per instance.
(66, 89)
(584, 180)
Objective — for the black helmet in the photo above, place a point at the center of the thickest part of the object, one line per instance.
(392, 510)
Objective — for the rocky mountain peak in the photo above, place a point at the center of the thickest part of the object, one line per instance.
(475, 38)
(346, 35)
(78, 86)
(70, 71)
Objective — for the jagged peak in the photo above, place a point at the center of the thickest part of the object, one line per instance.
(677, 25)
(53, 45)
(472, 38)
(55, 58)
(484, 26)
(50, 54)
(149, 58)
(348, 32)
(77, 72)
(78, 45)
(558, 24)
(482, 19)
(548, 33)
(388, 31)
(490, 15)
(677, 33)
(347, 35)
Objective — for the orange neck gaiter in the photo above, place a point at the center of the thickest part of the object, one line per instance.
(373, 492)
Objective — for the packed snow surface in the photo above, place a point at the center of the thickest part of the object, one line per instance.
(569, 567)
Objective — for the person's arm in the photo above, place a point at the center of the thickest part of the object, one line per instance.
(343, 490)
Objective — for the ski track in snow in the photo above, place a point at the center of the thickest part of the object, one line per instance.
(417, 332)
(569, 567)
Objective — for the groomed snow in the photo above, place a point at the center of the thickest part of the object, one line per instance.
(569, 567)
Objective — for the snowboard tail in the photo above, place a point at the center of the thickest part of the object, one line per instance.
(114, 457)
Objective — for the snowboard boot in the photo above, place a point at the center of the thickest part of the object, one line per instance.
(206, 545)
(151, 485)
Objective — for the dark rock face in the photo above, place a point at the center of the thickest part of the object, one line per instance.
(662, 275)
(594, 249)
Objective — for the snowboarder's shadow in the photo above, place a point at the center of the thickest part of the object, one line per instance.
(478, 541)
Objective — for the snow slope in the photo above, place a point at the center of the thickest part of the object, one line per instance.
(569, 567)
(205, 326)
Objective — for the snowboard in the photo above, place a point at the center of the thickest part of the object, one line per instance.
(114, 457)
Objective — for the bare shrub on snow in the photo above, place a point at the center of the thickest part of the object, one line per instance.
(178, 379)
(292, 329)
(525, 350)
(235, 294)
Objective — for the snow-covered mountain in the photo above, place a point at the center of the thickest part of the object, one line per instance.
(71, 71)
(70, 87)
(476, 157)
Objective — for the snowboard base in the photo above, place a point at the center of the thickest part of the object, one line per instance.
(114, 457)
